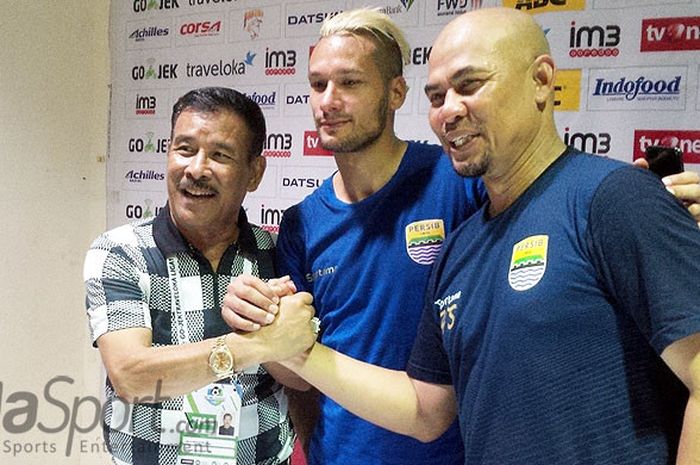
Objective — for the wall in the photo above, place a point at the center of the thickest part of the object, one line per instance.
(54, 76)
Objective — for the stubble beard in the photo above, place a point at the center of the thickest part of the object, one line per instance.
(358, 142)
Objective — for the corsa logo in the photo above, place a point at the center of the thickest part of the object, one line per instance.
(567, 90)
(312, 145)
(670, 34)
(543, 6)
(687, 141)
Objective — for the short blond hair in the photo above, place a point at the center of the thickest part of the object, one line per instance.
(392, 49)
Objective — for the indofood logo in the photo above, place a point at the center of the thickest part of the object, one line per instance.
(140, 35)
(594, 41)
(219, 68)
(641, 88)
(670, 34)
(252, 22)
(266, 101)
(147, 5)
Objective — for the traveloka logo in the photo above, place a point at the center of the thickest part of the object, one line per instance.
(528, 262)
(209, 2)
(424, 240)
(637, 88)
(594, 41)
(147, 5)
(141, 34)
(252, 22)
(543, 6)
(670, 34)
(219, 68)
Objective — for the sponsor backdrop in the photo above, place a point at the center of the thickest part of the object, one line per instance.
(628, 79)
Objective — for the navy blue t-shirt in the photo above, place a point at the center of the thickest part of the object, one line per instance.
(549, 319)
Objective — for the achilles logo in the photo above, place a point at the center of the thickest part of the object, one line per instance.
(139, 35)
(687, 141)
(670, 34)
(312, 145)
(144, 175)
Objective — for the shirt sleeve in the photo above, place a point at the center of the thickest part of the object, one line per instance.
(428, 361)
(646, 248)
(115, 286)
(290, 255)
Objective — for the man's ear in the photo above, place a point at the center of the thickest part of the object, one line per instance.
(258, 165)
(543, 75)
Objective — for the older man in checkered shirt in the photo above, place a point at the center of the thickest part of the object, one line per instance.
(154, 293)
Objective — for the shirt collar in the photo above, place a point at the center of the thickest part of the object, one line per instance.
(170, 240)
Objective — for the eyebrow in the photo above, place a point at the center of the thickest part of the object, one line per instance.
(190, 139)
(455, 77)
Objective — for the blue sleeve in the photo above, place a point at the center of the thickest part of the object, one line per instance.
(428, 361)
(646, 248)
(291, 254)
(476, 193)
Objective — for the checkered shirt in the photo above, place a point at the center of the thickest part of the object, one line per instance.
(127, 286)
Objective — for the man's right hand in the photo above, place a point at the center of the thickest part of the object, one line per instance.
(250, 302)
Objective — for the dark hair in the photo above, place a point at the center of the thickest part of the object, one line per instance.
(217, 99)
(227, 415)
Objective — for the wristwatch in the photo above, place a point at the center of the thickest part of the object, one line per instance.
(221, 359)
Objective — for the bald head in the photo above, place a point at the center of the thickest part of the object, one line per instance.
(508, 32)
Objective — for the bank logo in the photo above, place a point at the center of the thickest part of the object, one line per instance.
(670, 34)
(594, 41)
(312, 145)
(544, 6)
(278, 145)
(140, 6)
(597, 143)
(528, 262)
(424, 240)
(147, 32)
(220, 68)
(252, 22)
(567, 90)
(280, 62)
(687, 141)
(407, 4)
(152, 70)
(661, 88)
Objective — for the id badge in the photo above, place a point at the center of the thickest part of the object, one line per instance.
(213, 415)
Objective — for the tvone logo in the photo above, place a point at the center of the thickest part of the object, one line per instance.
(280, 62)
(201, 29)
(145, 5)
(312, 145)
(687, 141)
(594, 41)
(670, 34)
(278, 145)
(588, 142)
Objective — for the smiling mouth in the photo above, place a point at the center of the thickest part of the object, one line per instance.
(195, 194)
(461, 141)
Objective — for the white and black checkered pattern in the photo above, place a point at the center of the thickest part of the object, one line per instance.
(126, 280)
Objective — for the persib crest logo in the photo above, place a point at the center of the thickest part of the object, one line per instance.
(424, 240)
(528, 263)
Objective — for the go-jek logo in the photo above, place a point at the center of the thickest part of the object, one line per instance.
(146, 5)
(670, 34)
(154, 71)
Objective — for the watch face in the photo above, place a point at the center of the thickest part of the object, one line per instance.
(221, 361)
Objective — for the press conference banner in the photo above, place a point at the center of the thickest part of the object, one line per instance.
(628, 78)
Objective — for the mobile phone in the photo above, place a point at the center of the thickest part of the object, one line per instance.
(664, 161)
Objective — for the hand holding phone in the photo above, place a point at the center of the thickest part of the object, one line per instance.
(664, 161)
